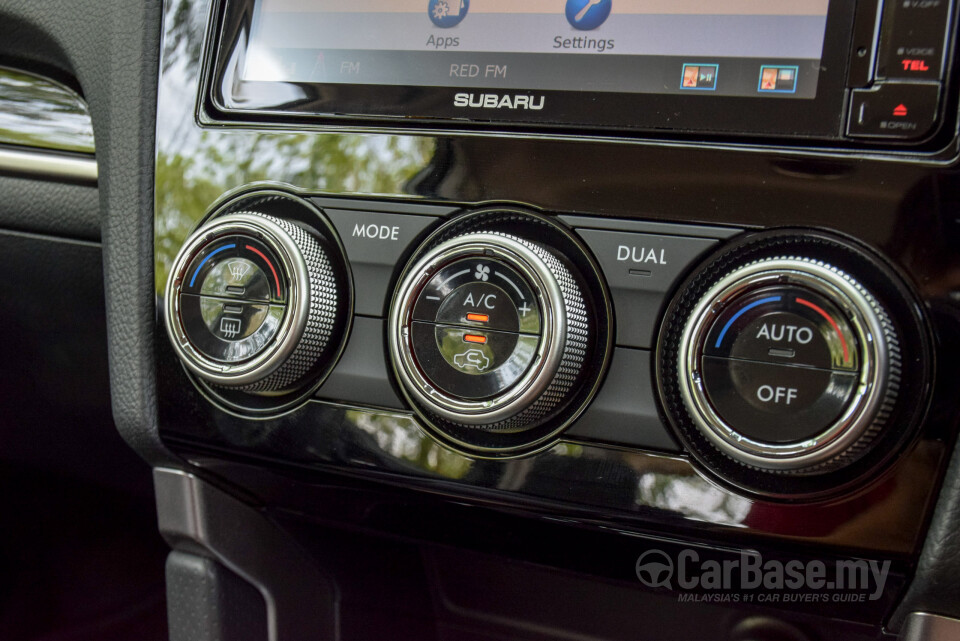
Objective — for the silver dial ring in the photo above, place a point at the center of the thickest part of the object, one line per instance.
(536, 392)
(303, 330)
(851, 432)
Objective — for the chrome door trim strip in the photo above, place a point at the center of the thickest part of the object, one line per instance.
(923, 626)
(53, 166)
(40, 112)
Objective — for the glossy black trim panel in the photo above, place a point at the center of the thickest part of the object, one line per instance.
(639, 490)
(903, 209)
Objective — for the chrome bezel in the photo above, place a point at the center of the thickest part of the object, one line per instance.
(549, 351)
(294, 271)
(873, 356)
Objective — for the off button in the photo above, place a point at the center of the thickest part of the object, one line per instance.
(776, 403)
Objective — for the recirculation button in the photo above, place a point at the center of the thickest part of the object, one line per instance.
(472, 364)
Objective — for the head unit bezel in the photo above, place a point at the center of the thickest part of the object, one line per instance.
(820, 118)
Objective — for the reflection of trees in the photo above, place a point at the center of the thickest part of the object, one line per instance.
(196, 166)
(692, 496)
(400, 437)
(36, 112)
(183, 20)
(211, 162)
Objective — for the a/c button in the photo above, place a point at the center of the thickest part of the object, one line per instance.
(776, 403)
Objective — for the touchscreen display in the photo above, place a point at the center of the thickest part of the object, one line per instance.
(747, 48)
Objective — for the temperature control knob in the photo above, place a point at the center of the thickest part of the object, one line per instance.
(253, 302)
(489, 331)
(783, 356)
(786, 364)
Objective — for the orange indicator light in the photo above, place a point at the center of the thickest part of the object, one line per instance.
(473, 338)
(478, 318)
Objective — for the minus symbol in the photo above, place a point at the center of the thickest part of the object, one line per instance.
(641, 272)
(432, 297)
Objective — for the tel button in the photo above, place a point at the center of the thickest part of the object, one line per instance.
(776, 403)
(913, 38)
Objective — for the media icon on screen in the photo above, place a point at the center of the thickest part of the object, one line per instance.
(699, 77)
(778, 79)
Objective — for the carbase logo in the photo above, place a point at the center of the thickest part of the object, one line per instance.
(846, 580)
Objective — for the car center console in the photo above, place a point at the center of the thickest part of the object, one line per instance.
(504, 275)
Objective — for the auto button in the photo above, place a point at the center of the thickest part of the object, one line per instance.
(785, 325)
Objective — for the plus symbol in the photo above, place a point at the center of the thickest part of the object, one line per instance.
(524, 308)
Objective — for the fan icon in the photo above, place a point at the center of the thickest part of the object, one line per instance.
(447, 13)
(483, 273)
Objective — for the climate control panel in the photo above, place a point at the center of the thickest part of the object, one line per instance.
(782, 357)
(774, 360)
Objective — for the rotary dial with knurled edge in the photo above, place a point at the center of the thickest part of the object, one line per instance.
(789, 364)
(794, 363)
(252, 302)
(489, 331)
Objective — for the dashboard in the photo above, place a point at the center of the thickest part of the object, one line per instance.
(569, 295)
